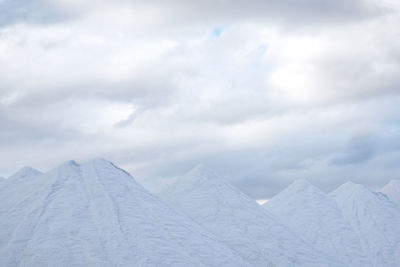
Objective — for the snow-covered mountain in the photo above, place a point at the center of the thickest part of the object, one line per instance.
(95, 214)
(375, 219)
(240, 222)
(392, 190)
(315, 217)
(26, 171)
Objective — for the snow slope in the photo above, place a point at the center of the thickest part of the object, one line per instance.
(392, 190)
(20, 183)
(376, 221)
(240, 222)
(95, 214)
(25, 172)
(315, 217)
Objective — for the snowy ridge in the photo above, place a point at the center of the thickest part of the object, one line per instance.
(25, 172)
(95, 214)
(375, 219)
(315, 217)
(240, 222)
(392, 190)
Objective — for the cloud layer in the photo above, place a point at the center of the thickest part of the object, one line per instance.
(262, 91)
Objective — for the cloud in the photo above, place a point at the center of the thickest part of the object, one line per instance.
(283, 12)
(359, 149)
(32, 12)
(262, 91)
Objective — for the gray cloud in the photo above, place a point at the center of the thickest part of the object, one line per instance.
(32, 11)
(359, 149)
(286, 12)
(262, 91)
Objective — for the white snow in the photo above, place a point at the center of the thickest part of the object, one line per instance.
(375, 219)
(315, 217)
(25, 172)
(392, 190)
(95, 214)
(240, 222)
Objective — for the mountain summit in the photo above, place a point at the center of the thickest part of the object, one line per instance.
(239, 221)
(26, 171)
(316, 218)
(95, 214)
(392, 190)
(375, 219)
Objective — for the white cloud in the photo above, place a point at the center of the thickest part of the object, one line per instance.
(276, 94)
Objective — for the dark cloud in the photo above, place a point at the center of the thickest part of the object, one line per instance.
(359, 149)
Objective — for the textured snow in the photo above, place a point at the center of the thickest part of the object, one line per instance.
(25, 172)
(375, 219)
(95, 214)
(392, 190)
(315, 217)
(240, 222)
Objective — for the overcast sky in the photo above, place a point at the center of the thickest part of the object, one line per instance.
(262, 91)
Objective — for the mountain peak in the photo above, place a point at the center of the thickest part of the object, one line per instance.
(394, 182)
(111, 217)
(101, 161)
(301, 184)
(351, 188)
(25, 172)
(392, 190)
(374, 218)
(314, 216)
(232, 216)
(202, 171)
(70, 165)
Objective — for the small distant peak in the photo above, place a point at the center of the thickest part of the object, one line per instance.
(71, 163)
(352, 185)
(299, 188)
(68, 165)
(350, 188)
(301, 183)
(202, 171)
(199, 175)
(394, 182)
(25, 172)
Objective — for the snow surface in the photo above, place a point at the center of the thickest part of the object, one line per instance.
(316, 218)
(240, 222)
(25, 172)
(375, 219)
(95, 214)
(392, 190)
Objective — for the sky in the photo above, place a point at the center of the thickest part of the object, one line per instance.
(261, 91)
